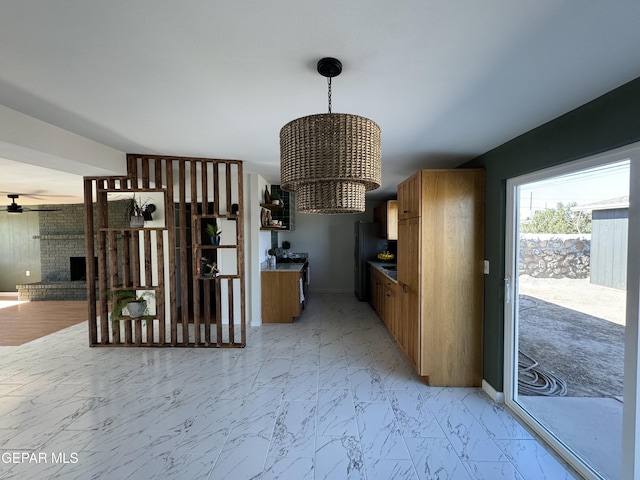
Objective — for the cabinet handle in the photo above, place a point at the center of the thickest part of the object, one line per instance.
(405, 211)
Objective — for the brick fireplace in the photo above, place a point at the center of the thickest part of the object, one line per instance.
(62, 254)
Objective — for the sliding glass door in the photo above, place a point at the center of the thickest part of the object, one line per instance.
(571, 274)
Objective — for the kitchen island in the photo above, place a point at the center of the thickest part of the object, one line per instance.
(283, 292)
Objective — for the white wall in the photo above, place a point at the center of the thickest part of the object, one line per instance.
(19, 251)
(329, 241)
(257, 242)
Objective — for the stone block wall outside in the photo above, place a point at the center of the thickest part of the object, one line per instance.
(555, 256)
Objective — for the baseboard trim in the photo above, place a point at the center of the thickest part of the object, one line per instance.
(497, 397)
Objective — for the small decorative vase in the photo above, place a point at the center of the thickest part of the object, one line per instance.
(215, 240)
(136, 221)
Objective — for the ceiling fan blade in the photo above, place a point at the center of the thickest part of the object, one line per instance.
(27, 209)
(35, 195)
(17, 209)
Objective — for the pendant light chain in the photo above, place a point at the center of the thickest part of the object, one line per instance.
(329, 94)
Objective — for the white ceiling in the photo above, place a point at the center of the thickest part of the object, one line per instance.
(446, 81)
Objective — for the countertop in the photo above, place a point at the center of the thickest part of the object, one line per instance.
(284, 267)
(380, 266)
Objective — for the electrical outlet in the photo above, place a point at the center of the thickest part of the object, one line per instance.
(28, 273)
(486, 267)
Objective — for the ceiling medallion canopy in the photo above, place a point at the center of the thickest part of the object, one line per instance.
(330, 160)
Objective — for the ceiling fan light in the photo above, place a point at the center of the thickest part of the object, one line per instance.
(14, 208)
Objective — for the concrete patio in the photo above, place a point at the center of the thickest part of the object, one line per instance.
(575, 330)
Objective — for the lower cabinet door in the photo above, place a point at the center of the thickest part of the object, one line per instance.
(390, 316)
(409, 320)
(378, 295)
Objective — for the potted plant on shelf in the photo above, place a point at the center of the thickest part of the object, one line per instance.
(214, 232)
(276, 199)
(128, 300)
(136, 211)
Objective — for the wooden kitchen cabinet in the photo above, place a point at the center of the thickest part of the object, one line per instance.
(440, 274)
(408, 281)
(409, 197)
(390, 314)
(281, 301)
(384, 299)
(387, 215)
(409, 313)
(377, 292)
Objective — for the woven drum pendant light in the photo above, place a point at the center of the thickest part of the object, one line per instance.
(330, 160)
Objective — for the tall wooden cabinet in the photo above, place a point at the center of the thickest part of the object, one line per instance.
(440, 274)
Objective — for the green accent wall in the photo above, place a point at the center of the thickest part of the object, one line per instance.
(606, 123)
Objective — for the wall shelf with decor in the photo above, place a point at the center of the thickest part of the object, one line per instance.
(267, 217)
(285, 212)
(220, 254)
(272, 206)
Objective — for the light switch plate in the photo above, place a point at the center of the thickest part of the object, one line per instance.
(486, 267)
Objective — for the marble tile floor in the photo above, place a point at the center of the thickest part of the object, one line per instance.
(328, 397)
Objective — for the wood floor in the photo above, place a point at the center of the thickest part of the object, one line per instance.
(22, 323)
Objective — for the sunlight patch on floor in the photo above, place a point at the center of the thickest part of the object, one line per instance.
(11, 303)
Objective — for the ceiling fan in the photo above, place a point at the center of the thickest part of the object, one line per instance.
(15, 208)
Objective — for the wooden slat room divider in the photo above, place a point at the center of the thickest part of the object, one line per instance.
(170, 257)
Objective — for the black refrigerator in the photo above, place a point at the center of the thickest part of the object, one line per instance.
(367, 244)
